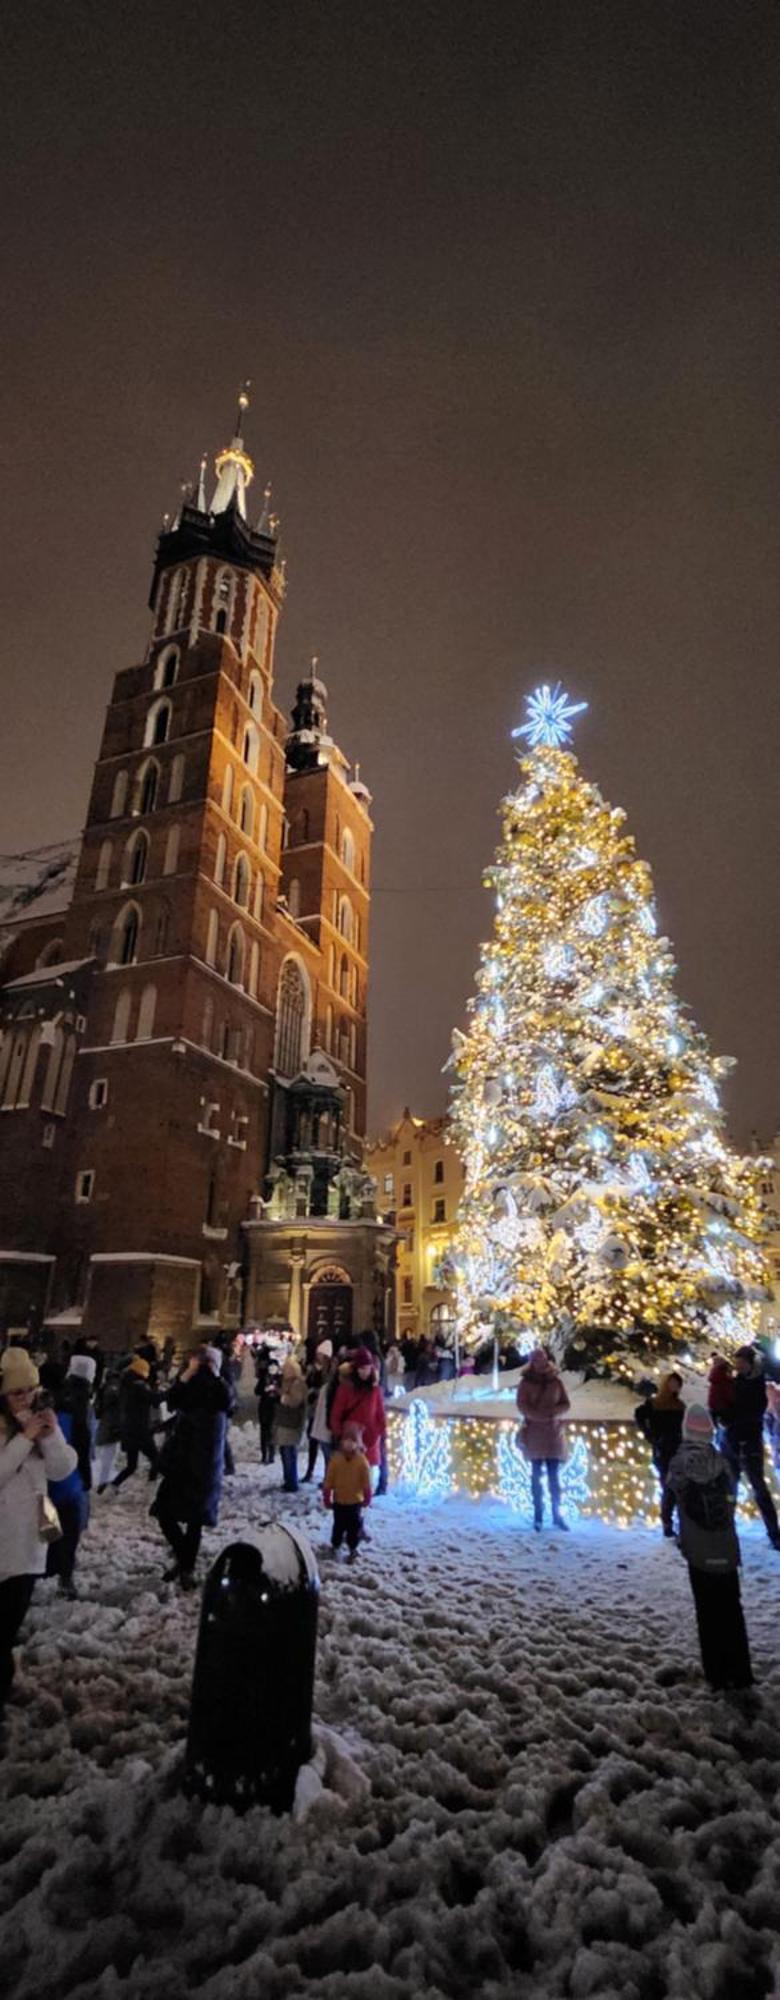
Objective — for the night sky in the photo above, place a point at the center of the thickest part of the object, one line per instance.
(506, 283)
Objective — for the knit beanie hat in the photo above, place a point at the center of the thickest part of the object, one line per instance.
(363, 1358)
(83, 1367)
(697, 1424)
(139, 1367)
(325, 1347)
(17, 1371)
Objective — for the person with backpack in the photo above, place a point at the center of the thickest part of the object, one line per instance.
(743, 1436)
(660, 1419)
(700, 1480)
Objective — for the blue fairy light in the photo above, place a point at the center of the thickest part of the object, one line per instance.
(514, 1478)
(549, 713)
(426, 1454)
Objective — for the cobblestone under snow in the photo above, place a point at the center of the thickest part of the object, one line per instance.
(528, 1790)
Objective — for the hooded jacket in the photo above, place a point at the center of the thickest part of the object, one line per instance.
(194, 1450)
(660, 1419)
(542, 1401)
(25, 1470)
(720, 1392)
(700, 1480)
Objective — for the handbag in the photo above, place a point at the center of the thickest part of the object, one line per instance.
(49, 1523)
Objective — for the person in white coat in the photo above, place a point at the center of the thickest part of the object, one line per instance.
(32, 1451)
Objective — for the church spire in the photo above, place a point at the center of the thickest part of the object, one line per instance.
(200, 497)
(233, 467)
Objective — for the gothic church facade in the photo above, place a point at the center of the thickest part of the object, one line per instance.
(161, 1007)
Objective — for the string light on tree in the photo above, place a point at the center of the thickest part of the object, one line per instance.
(425, 1454)
(612, 1095)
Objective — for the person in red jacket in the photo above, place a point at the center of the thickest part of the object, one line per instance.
(359, 1400)
(720, 1397)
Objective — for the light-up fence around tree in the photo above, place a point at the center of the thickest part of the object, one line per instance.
(608, 1476)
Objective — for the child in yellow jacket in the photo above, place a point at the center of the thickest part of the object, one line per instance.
(347, 1489)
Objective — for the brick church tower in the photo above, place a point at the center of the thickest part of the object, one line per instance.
(215, 939)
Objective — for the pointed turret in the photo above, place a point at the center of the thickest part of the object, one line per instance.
(310, 742)
(222, 529)
(233, 467)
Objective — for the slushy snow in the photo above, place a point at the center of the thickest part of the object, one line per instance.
(520, 1783)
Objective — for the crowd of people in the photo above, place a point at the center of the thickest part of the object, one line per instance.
(64, 1424)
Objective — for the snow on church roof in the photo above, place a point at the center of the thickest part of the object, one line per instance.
(39, 883)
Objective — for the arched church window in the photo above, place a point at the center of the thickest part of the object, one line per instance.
(246, 815)
(121, 1020)
(146, 787)
(126, 932)
(103, 869)
(158, 723)
(348, 850)
(255, 693)
(292, 1017)
(135, 859)
(234, 960)
(146, 1013)
(250, 749)
(119, 795)
(166, 667)
(219, 860)
(176, 779)
(242, 881)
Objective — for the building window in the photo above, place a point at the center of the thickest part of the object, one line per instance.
(85, 1182)
(212, 938)
(346, 924)
(407, 1160)
(161, 930)
(234, 957)
(15, 1050)
(292, 1012)
(440, 1210)
(242, 882)
(146, 786)
(166, 668)
(254, 967)
(177, 591)
(146, 1013)
(158, 723)
(255, 693)
(407, 1195)
(344, 978)
(250, 748)
(407, 1283)
(210, 1216)
(176, 779)
(294, 897)
(104, 865)
(60, 1104)
(219, 861)
(348, 850)
(246, 815)
(387, 1184)
(227, 790)
(119, 795)
(262, 831)
(98, 1093)
(135, 858)
(171, 861)
(223, 600)
(125, 940)
(121, 1020)
(259, 898)
(52, 953)
(438, 1172)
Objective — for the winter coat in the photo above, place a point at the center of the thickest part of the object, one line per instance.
(290, 1417)
(194, 1450)
(73, 1486)
(700, 1480)
(107, 1411)
(77, 1403)
(25, 1471)
(136, 1407)
(720, 1393)
(319, 1427)
(662, 1425)
(347, 1480)
(744, 1422)
(542, 1401)
(358, 1402)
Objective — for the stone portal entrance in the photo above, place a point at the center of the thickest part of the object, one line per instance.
(330, 1308)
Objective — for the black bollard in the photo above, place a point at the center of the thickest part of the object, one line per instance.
(253, 1686)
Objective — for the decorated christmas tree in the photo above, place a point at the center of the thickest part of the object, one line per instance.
(604, 1211)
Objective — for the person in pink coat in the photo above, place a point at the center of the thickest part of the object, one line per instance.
(359, 1400)
(542, 1401)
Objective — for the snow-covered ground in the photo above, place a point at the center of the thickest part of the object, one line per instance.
(528, 1789)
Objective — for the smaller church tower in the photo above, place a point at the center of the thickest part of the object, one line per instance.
(326, 884)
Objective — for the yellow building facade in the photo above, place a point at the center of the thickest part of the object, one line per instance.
(419, 1184)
